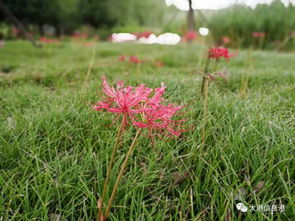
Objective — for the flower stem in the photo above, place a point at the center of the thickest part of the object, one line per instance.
(205, 75)
(245, 76)
(204, 93)
(110, 166)
(205, 110)
(131, 148)
(86, 79)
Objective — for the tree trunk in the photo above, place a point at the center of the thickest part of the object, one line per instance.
(58, 31)
(12, 17)
(41, 30)
(190, 17)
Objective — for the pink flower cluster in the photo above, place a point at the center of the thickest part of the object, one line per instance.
(141, 106)
(135, 60)
(48, 40)
(219, 52)
(159, 64)
(77, 35)
(190, 36)
(145, 34)
(258, 34)
(132, 59)
(88, 43)
(225, 39)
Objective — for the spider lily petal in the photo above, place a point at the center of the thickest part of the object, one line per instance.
(142, 109)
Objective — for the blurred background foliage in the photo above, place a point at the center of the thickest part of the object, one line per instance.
(239, 22)
(103, 17)
(66, 16)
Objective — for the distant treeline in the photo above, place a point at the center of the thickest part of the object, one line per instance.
(266, 26)
(67, 16)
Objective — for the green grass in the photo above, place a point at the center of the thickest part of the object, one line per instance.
(54, 148)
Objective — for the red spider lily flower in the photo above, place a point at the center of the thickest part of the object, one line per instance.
(141, 106)
(80, 35)
(159, 64)
(123, 100)
(159, 119)
(225, 39)
(88, 44)
(48, 40)
(110, 38)
(135, 60)
(122, 58)
(190, 36)
(145, 34)
(258, 34)
(219, 52)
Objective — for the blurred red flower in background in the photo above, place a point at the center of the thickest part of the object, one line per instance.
(48, 40)
(144, 34)
(135, 60)
(219, 52)
(258, 34)
(80, 35)
(225, 39)
(159, 64)
(190, 36)
(88, 44)
(122, 58)
(132, 59)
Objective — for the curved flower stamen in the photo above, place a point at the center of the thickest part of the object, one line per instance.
(143, 108)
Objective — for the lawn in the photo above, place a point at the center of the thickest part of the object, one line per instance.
(54, 148)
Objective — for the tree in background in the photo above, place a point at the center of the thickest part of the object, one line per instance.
(95, 13)
(34, 12)
(68, 15)
(191, 24)
(110, 13)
